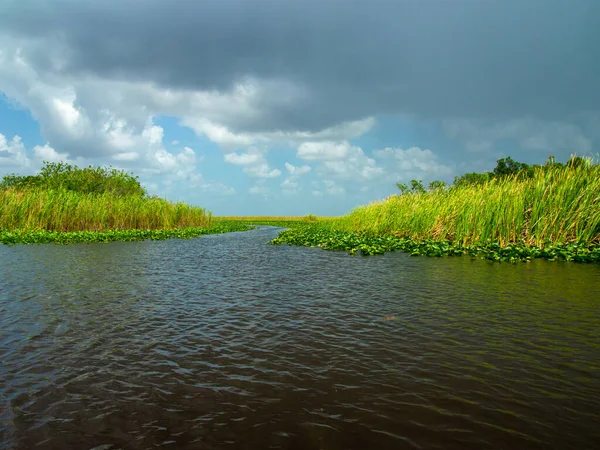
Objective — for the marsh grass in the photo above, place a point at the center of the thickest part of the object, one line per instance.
(553, 215)
(66, 211)
(553, 207)
(249, 219)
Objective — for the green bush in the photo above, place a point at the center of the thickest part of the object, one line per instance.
(89, 180)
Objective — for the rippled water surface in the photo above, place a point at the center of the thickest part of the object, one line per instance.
(225, 342)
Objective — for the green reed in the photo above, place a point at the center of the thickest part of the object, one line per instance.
(553, 207)
(553, 215)
(66, 210)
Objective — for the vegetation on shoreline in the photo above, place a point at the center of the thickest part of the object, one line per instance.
(64, 210)
(550, 211)
(276, 221)
(74, 237)
(554, 206)
(325, 236)
(311, 218)
(515, 213)
(65, 198)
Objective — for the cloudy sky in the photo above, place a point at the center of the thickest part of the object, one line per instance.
(296, 106)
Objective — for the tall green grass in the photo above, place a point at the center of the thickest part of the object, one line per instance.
(68, 210)
(252, 219)
(553, 206)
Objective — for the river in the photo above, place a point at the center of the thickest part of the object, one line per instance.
(225, 342)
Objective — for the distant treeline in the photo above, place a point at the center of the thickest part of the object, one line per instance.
(505, 167)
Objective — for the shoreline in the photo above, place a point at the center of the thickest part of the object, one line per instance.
(26, 237)
(368, 244)
(320, 235)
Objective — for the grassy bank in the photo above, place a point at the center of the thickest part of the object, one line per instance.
(327, 237)
(554, 206)
(65, 204)
(67, 210)
(554, 214)
(275, 221)
(278, 219)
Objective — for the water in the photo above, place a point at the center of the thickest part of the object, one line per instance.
(225, 342)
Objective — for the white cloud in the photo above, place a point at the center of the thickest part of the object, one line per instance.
(69, 115)
(47, 153)
(291, 184)
(243, 159)
(445, 41)
(119, 137)
(181, 161)
(341, 159)
(153, 161)
(153, 134)
(12, 153)
(254, 163)
(323, 151)
(262, 171)
(296, 170)
(414, 163)
(92, 115)
(219, 133)
(126, 156)
(16, 158)
(343, 131)
(110, 120)
(88, 117)
(229, 140)
(152, 158)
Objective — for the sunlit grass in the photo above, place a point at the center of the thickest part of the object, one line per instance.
(63, 210)
(554, 215)
(308, 218)
(555, 206)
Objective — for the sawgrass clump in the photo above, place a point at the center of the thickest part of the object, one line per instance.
(66, 198)
(67, 210)
(554, 213)
(552, 207)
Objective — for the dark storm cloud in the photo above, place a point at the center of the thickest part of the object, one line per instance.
(462, 58)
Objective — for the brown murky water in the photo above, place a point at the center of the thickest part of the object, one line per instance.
(225, 342)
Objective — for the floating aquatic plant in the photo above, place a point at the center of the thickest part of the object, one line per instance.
(72, 237)
(327, 238)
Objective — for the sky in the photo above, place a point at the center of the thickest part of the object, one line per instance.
(295, 107)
